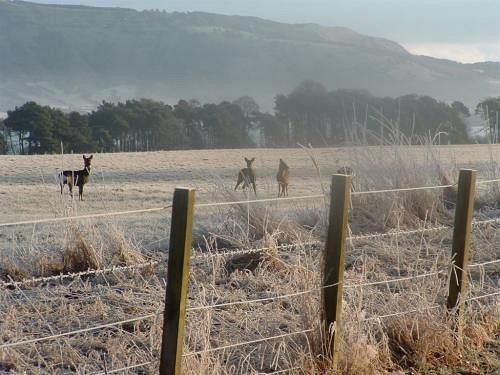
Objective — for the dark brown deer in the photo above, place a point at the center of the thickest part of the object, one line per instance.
(348, 171)
(283, 178)
(76, 178)
(247, 176)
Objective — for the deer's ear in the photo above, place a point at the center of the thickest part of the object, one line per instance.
(252, 159)
(83, 157)
(91, 156)
(246, 159)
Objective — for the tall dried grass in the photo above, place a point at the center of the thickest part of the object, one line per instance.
(417, 342)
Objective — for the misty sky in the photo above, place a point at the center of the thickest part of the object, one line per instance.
(462, 30)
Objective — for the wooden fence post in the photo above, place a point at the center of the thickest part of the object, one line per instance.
(179, 255)
(334, 260)
(461, 242)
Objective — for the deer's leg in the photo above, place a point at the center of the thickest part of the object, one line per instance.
(254, 188)
(239, 181)
(80, 192)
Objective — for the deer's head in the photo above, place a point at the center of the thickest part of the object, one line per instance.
(249, 162)
(86, 162)
(283, 165)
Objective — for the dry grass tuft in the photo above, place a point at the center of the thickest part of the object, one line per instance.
(422, 340)
(10, 271)
(124, 252)
(79, 253)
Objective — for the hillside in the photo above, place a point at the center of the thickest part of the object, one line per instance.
(74, 56)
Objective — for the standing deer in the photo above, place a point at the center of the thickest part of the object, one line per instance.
(283, 177)
(347, 171)
(76, 178)
(247, 176)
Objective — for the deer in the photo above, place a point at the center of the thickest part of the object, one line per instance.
(283, 177)
(247, 176)
(76, 178)
(347, 171)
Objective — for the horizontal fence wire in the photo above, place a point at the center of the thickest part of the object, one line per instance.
(310, 291)
(398, 233)
(284, 371)
(396, 190)
(487, 181)
(412, 311)
(78, 331)
(123, 369)
(258, 300)
(401, 313)
(62, 276)
(256, 341)
(486, 222)
(238, 251)
(483, 296)
(484, 263)
(276, 199)
(396, 280)
(248, 201)
(81, 217)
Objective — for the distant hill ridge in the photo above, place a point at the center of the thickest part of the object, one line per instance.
(75, 56)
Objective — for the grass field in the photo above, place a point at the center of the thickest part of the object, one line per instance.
(417, 342)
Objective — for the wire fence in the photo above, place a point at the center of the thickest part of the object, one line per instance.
(256, 341)
(226, 252)
(230, 203)
(77, 331)
(233, 252)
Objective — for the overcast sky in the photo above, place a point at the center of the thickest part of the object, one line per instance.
(462, 30)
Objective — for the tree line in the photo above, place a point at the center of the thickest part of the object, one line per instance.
(310, 114)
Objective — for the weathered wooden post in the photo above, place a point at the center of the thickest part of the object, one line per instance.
(179, 255)
(461, 242)
(334, 260)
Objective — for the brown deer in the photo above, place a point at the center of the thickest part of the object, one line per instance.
(348, 171)
(283, 178)
(247, 176)
(76, 178)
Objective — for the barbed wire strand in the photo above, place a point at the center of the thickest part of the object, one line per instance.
(83, 330)
(229, 252)
(483, 222)
(390, 281)
(63, 276)
(247, 342)
(124, 368)
(398, 233)
(81, 217)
